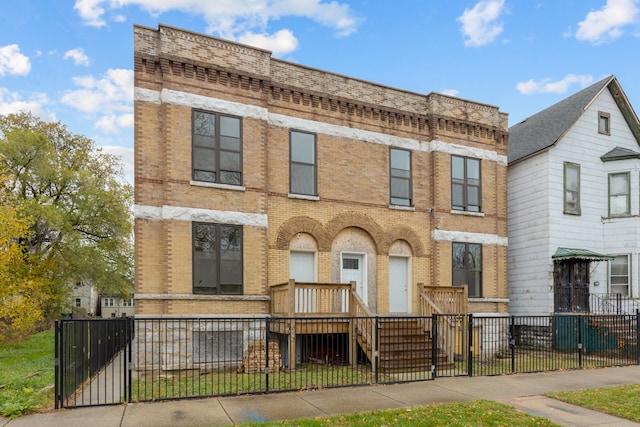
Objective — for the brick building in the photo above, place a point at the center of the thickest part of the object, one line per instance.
(250, 171)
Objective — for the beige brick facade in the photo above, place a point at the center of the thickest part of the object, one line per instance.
(355, 123)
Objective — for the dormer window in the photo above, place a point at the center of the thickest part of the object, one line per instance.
(604, 125)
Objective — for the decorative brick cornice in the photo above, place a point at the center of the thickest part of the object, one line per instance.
(429, 124)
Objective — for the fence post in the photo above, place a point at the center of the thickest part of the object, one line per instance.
(638, 335)
(470, 350)
(129, 358)
(618, 303)
(266, 357)
(57, 374)
(512, 343)
(375, 348)
(579, 320)
(434, 346)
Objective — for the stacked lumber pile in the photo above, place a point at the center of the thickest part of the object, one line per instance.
(255, 359)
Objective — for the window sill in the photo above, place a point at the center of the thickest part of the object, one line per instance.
(304, 197)
(467, 213)
(402, 208)
(619, 217)
(215, 185)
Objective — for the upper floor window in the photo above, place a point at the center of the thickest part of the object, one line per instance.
(619, 194)
(619, 275)
(302, 167)
(571, 188)
(604, 125)
(78, 302)
(400, 175)
(465, 184)
(217, 259)
(109, 302)
(217, 148)
(467, 267)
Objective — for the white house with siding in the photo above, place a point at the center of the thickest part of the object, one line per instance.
(574, 205)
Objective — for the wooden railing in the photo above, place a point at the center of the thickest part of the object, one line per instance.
(364, 326)
(296, 299)
(443, 300)
(449, 304)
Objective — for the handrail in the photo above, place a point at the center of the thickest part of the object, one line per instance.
(362, 318)
(454, 300)
(613, 303)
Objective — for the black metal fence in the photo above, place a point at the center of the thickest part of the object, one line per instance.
(181, 358)
(90, 363)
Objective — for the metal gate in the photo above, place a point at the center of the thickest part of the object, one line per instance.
(91, 358)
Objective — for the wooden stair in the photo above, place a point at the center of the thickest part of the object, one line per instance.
(404, 346)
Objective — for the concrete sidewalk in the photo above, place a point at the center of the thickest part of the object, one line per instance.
(523, 391)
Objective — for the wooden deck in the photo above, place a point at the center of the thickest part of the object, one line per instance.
(334, 308)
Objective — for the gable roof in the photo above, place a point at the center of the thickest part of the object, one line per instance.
(545, 128)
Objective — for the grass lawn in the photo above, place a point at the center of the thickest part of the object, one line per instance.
(27, 375)
(477, 413)
(620, 401)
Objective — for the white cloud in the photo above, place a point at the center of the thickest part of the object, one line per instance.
(78, 56)
(232, 18)
(113, 123)
(280, 43)
(480, 24)
(13, 103)
(91, 12)
(451, 92)
(13, 62)
(606, 24)
(547, 86)
(109, 99)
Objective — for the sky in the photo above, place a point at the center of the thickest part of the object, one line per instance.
(72, 60)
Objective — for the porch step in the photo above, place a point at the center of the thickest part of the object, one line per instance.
(405, 346)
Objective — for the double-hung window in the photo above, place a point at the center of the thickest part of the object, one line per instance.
(400, 175)
(604, 126)
(619, 194)
(619, 275)
(217, 259)
(302, 166)
(571, 188)
(465, 184)
(217, 148)
(467, 267)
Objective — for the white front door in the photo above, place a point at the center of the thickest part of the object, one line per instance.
(354, 270)
(398, 284)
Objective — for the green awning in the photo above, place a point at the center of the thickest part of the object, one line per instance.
(582, 254)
